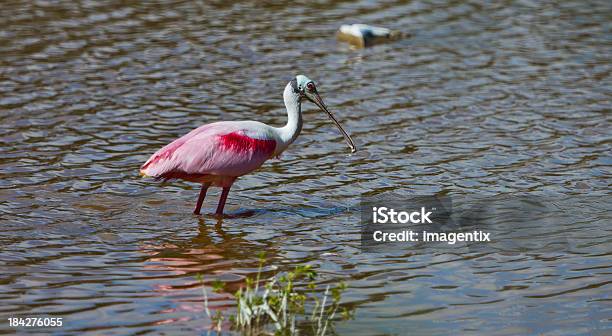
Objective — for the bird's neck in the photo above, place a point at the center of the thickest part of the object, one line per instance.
(290, 132)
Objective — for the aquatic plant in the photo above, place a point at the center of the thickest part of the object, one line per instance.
(277, 307)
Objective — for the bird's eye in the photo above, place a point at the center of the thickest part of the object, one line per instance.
(310, 86)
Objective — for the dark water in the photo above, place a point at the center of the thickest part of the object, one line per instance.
(487, 99)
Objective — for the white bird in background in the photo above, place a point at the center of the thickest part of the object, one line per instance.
(363, 35)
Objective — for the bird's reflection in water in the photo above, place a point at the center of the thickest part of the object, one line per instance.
(214, 254)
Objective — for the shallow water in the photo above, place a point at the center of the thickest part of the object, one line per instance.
(493, 99)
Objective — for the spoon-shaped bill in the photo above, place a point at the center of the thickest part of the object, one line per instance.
(315, 98)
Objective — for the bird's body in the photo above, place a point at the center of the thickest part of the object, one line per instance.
(215, 152)
(218, 153)
(363, 35)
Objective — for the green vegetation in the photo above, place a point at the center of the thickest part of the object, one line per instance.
(276, 307)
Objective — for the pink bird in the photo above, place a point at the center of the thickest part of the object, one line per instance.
(217, 154)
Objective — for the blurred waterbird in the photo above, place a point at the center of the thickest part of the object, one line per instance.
(363, 35)
(217, 154)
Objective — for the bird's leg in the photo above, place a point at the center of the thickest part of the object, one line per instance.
(222, 200)
(201, 197)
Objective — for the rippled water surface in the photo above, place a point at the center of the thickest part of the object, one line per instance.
(486, 99)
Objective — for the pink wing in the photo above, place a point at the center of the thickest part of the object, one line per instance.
(221, 149)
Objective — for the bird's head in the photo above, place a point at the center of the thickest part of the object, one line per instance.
(306, 88)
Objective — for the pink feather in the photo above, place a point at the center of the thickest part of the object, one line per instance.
(217, 153)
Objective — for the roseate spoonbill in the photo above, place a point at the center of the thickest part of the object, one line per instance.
(217, 154)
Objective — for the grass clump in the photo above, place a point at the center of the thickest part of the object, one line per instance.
(276, 307)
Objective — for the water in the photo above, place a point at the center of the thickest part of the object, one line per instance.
(487, 99)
